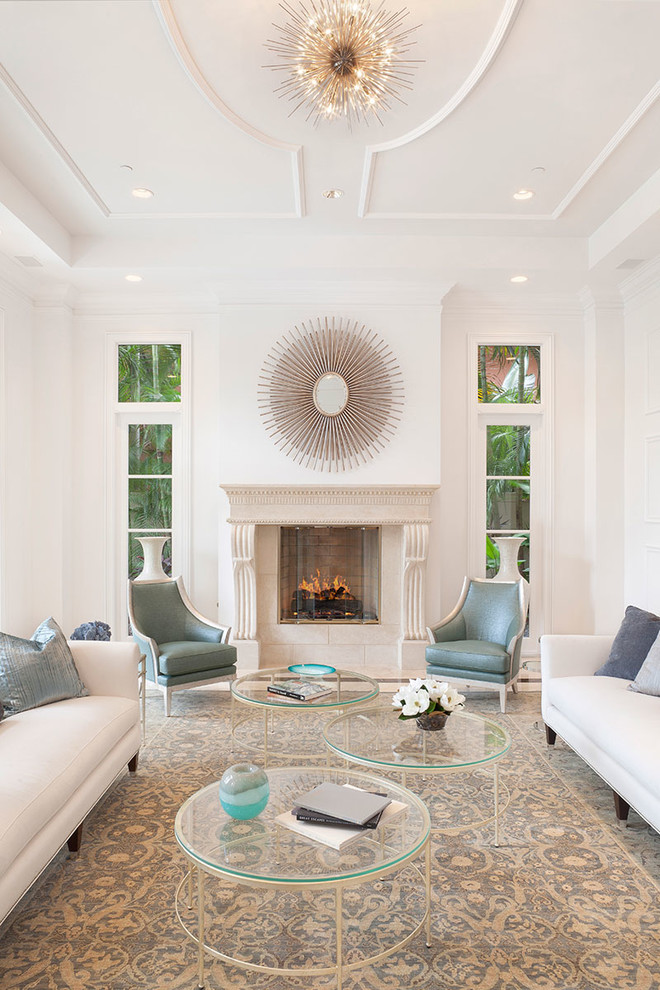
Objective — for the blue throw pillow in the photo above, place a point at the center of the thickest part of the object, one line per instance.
(34, 672)
(637, 634)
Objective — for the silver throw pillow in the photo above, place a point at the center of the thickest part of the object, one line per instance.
(36, 671)
(647, 680)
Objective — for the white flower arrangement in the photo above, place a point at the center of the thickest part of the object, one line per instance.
(421, 696)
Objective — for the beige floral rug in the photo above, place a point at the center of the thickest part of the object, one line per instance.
(568, 901)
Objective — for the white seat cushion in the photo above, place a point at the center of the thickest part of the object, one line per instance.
(621, 723)
(46, 753)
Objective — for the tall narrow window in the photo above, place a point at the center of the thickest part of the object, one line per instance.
(148, 456)
(150, 470)
(511, 483)
(508, 483)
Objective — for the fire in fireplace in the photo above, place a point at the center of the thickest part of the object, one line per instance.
(329, 574)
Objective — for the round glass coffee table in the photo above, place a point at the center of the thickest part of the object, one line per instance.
(262, 853)
(347, 689)
(377, 738)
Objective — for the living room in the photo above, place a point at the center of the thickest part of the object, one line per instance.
(155, 189)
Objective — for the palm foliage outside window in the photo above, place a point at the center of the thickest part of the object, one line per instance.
(507, 491)
(509, 374)
(149, 490)
(149, 373)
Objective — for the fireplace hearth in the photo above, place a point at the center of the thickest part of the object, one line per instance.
(329, 574)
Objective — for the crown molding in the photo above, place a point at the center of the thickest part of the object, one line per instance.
(331, 293)
(645, 280)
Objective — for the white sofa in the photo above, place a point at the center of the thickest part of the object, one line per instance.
(59, 759)
(614, 730)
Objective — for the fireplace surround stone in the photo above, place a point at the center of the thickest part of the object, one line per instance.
(255, 514)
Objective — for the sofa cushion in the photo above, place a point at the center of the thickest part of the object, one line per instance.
(47, 753)
(193, 657)
(37, 671)
(637, 633)
(619, 723)
(647, 680)
(469, 655)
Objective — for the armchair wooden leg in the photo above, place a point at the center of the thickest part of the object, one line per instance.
(550, 736)
(503, 698)
(168, 701)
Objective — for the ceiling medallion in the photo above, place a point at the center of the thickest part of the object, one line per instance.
(344, 58)
(331, 394)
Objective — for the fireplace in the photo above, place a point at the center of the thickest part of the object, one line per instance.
(329, 574)
(390, 524)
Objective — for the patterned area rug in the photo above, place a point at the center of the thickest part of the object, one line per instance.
(568, 901)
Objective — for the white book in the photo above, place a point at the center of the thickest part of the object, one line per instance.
(338, 836)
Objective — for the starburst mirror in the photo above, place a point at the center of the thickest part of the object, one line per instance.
(331, 394)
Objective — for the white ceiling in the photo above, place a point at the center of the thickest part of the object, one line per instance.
(561, 96)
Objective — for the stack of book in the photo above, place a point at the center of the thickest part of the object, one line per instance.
(338, 814)
(299, 690)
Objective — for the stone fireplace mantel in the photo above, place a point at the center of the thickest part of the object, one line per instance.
(406, 507)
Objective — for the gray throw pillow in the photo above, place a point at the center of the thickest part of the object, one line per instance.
(635, 637)
(36, 671)
(648, 675)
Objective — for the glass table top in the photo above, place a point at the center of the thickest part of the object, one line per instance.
(377, 737)
(348, 688)
(262, 850)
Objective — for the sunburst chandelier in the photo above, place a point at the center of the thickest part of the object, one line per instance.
(344, 58)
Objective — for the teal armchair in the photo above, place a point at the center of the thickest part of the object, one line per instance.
(479, 642)
(182, 648)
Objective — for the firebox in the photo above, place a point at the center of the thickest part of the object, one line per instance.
(329, 574)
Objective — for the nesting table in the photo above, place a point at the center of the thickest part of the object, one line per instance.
(251, 690)
(261, 853)
(378, 739)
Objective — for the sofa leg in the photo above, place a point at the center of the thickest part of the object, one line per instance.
(550, 736)
(75, 839)
(621, 807)
(133, 763)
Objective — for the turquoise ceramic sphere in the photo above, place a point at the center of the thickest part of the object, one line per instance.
(244, 791)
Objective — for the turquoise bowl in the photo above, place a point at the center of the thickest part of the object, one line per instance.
(244, 791)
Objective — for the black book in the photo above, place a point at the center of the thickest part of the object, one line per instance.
(321, 818)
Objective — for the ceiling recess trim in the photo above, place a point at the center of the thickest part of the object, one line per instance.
(173, 34)
(642, 108)
(46, 132)
(488, 56)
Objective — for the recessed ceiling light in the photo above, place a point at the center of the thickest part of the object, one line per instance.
(133, 278)
(519, 278)
(523, 194)
(141, 193)
(333, 193)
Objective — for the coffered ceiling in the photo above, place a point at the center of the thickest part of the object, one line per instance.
(98, 97)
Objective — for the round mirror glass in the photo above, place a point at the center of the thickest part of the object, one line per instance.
(330, 394)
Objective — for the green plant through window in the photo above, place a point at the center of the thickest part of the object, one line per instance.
(508, 374)
(149, 490)
(149, 372)
(507, 491)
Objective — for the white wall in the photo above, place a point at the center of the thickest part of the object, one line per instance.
(642, 440)
(229, 444)
(19, 613)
